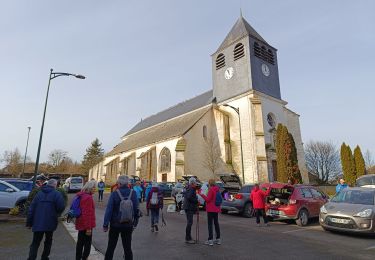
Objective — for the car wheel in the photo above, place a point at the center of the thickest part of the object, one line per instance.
(303, 218)
(21, 206)
(248, 210)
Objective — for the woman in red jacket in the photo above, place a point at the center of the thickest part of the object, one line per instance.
(212, 213)
(86, 222)
(258, 196)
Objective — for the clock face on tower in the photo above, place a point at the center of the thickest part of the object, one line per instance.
(265, 70)
(228, 74)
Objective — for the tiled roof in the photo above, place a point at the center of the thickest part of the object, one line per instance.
(172, 128)
(177, 110)
(239, 30)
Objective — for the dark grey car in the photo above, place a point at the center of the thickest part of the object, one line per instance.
(240, 202)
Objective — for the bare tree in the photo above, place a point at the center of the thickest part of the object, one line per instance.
(369, 160)
(322, 160)
(13, 162)
(56, 157)
(212, 156)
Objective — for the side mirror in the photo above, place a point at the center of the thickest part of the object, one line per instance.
(9, 190)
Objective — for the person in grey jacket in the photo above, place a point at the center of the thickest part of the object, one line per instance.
(190, 206)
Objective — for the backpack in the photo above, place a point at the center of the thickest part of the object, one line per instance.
(75, 209)
(126, 208)
(218, 199)
(154, 199)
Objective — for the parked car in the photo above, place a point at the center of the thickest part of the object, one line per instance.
(21, 184)
(11, 196)
(366, 181)
(294, 202)
(351, 210)
(166, 187)
(240, 202)
(73, 184)
(231, 183)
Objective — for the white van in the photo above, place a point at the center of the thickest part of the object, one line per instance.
(73, 184)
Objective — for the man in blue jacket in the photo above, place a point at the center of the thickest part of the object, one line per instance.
(112, 217)
(42, 217)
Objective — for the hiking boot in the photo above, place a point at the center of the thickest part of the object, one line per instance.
(217, 241)
(267, 224)
(258, 225)
(156, 228)
(152, 229)
(190, 241)
(209, 242)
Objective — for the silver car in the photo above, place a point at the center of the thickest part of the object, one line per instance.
(11, 196)
(351, 210)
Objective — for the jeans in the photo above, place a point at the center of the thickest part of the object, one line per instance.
(37, 238)
(213, 218)
(101, 195)
(154, 217)
(189, 223)
(83, 244)
(260, 212)
(126, 238)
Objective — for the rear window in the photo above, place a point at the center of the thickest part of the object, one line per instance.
(366, 180)
(355, 197)
(246, 189)
(76, 180)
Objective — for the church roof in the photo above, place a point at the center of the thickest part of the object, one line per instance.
(167, 130)
(239, 30)
(177, 110)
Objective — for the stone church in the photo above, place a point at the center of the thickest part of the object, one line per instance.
(228, 129)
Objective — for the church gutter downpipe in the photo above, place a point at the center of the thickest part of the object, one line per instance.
(239, 123)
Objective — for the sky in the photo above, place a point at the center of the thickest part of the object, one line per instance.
(140, 57)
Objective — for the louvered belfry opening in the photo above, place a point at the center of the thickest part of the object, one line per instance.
(239, 51)
(262, 53)
(220, 61)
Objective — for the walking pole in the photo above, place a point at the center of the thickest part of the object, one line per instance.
(197, 228)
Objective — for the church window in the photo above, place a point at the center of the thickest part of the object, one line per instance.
(227, 144)
(165, 160)
(271, 120)
(205, 133)
(239, 51)
(220, 61)
(262, 53)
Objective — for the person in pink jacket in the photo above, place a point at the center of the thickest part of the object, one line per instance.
(212, 213)
(86, 222)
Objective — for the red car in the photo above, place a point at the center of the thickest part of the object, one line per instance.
(294, 202)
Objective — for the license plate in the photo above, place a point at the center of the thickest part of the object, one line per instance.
(340, 220)
(274, 212)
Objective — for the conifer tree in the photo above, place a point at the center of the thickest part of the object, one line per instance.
(281, 137)
(94, 154)
(348, 164)
(294, 173)
(359, 162)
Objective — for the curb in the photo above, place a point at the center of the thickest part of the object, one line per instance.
(94, 254)
(9, 218)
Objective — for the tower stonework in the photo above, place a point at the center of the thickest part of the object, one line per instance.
(243, 62)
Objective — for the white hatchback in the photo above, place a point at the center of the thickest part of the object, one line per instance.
(10, 196)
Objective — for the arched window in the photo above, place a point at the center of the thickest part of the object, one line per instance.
(205, 133)
(263, 53)
(238, 51)
(165, 160)
(257, 50)
(220, 61)
(270, 57)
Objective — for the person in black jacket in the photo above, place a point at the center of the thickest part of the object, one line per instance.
(42, 217)
(190, 206)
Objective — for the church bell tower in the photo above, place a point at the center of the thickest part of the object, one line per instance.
(243, 62)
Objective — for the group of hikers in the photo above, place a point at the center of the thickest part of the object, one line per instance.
(122, 213)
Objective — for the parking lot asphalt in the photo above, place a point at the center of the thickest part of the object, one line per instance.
(241, 239)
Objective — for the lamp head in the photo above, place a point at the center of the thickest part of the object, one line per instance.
(78, 76)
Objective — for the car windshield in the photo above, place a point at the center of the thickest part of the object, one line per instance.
(78, 180)
(364, 197)
(366, 180)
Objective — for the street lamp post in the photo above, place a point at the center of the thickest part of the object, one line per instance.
(27, 144)
(239, 123)
(52, 76)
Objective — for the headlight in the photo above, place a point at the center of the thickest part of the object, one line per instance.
(364, 213)
(323, 210)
